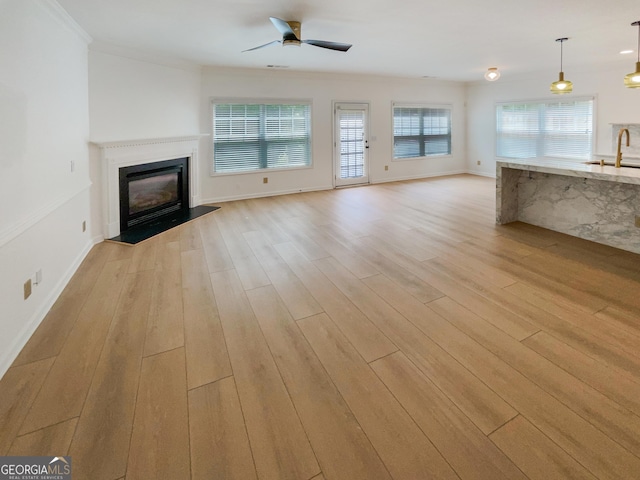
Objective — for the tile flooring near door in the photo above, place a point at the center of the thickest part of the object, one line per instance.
(390, 331)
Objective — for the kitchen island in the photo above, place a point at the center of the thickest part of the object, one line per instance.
(597, 203)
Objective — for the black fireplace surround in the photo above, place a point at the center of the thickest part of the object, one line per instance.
(153, 191)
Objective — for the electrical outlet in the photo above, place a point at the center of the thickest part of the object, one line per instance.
(27, 289)
(638, 221)
(84, 226)
(386, 168)
(479, 162)
(265, 180)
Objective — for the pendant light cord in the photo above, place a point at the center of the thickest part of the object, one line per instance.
(561, 42)
(638, 41)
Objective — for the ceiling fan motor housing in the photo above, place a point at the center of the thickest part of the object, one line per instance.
(292, 40)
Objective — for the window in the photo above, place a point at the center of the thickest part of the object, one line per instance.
(257, 136)
(545, 129)
(421, 131)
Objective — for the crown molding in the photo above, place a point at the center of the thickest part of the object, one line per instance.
(106, 48)
(61, 16)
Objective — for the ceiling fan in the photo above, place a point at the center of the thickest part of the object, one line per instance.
(291, 36)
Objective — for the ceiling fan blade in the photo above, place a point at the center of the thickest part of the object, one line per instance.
(262, 46)
(283, 27)
(341, 47)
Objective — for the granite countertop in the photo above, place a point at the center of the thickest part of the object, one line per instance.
(575, 168)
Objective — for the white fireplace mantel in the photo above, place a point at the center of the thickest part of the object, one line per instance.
(116, 155)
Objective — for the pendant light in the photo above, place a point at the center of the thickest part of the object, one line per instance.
(492, 74)
(632, 80)
(562, 85)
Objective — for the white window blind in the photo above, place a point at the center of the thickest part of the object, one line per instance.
(421, 131)
(352, 143)
(258, 136)
(545, 129)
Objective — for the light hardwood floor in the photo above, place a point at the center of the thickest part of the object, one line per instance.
(384, 332)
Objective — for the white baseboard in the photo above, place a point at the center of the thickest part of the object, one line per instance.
(97, 239)
(482, 174)
(417, 177)
(7, 357)
(262, 195)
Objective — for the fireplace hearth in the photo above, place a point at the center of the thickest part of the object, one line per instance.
(152, 228)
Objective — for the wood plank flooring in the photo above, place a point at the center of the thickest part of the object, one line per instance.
(391, 331)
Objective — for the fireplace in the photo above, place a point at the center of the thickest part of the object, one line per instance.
(153, 191)
(119, 155)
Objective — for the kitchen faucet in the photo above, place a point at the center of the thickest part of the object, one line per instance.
(619, 152)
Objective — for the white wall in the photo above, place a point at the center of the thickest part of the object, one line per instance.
(132, 99)
(614, 104)
(322, 89)
(44, 126)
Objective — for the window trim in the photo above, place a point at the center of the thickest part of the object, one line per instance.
(445, 105)
(258, 101)
(594, 120)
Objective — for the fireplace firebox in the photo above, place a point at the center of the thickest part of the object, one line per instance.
(151, 192)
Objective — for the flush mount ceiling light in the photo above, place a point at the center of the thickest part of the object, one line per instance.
(632, 80)
(562, 85)
(492, 74)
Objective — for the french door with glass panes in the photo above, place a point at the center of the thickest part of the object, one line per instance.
(351, 146)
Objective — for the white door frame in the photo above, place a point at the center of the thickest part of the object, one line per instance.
(360, 180)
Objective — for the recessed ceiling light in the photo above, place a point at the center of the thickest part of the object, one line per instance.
(625, 52)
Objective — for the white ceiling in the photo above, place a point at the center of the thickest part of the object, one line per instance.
(448, 39)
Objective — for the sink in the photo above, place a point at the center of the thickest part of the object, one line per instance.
(611, 164)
